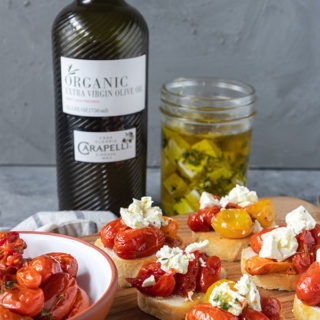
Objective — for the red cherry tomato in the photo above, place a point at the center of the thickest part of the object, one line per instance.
(68, 263)
(109, 232)
(188, 282)
(305, 240)
(138, 243)
(205, 311)
(6, 314)
(209, 273)
(271, 307)
(250, 314)
(82, 303)
(164, 282)
(308, 285)
(60, 292)
(302, 260)
(22, 300)
(37, 271)
(201, 220)
(316, 233)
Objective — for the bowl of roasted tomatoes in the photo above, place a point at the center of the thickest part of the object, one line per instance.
(46, 276)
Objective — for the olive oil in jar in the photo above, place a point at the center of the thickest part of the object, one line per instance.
(205, 140)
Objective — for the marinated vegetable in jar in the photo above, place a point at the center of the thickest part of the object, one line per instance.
(192, 163)
(206, 134)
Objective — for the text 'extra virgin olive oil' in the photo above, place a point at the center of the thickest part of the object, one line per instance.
(100, 56)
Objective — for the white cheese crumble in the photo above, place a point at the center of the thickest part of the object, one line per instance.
(247, 288)
(149, 281)
(256, 227)
(318, 255)
(196, 246)
(239, 194)
(207, 200)
(227, 299)
(141, 214)
(300, 219)
(278, 244)
(174, 258)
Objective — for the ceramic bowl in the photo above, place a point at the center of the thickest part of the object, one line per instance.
(97, 274)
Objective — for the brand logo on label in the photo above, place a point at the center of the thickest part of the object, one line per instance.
(105, 146)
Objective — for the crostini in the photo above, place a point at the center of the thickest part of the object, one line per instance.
(306, 304)
(136, 236)
(168, 287)
(227, 222)
(231, 300)
(278, 255)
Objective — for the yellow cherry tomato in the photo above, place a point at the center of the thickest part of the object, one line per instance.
(233, 223)
(216, 284)
(263, 211)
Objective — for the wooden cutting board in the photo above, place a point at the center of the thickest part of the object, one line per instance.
(125, 307)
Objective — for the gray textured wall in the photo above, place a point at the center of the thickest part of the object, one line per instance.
(272, 44)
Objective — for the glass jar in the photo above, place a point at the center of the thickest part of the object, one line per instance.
(206, 127)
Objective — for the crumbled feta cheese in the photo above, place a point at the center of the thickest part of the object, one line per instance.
(227, 299)
(174, 258)
(207, 200)
(256, 227)
(300, 219)
(140, 214)
(318, 255)
(279, 244)
(241, 196)
(196, 246)
(189, 296)
(149, 282)
(247, 288)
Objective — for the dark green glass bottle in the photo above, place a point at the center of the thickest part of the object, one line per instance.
(100, 57)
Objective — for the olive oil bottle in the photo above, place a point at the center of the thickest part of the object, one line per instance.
(100, 58)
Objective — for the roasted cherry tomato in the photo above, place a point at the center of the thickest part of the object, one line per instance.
(37, 271)
(138, 243)
(186, 283)
(205, 311)
(22, 300)
(60, 292)
(109, 232)
(256, 240)
(308, 285)
(82, 303)
(233, 223)
(201, 220)
(170, 230)
(271, 307)
(250, 314)
(316, 233)
(164, 282)
(11, 250)
(6, 314)
(68, 263)
(209, 273)
(302, 261)
(263, 211)
(256, 266)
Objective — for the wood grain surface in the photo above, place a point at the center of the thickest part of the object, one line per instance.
(125, 307)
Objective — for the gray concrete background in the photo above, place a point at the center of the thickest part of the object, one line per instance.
(272, 44)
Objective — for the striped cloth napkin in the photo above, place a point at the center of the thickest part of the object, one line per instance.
(72, 223)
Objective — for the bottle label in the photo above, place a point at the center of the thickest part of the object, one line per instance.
(102, 147)
(103, 88)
